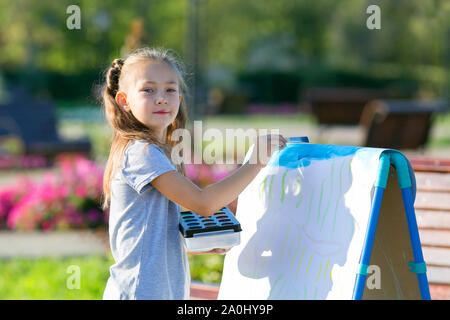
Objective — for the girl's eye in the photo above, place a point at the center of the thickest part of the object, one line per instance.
(148, 90)
(171, 90)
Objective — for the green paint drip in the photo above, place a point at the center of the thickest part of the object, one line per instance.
(270, 187)
(320, 268)
(326, 268)
(284, 244)
(320, 199)
(299, 263)
(298, 247)
(340, 195)
(330, 195)
(307, 269)
(350, 170)
(299, 202)
(310, 205)
(263, 187)
(292, 245)
(300, 194)
(282, 186)
(275, 284)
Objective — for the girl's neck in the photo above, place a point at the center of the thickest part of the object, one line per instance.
(162, 136)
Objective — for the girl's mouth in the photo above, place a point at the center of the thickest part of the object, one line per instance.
(161, 112)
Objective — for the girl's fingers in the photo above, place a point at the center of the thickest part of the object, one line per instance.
(220, 251)
(278, 141)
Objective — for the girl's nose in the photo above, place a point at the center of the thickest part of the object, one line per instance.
(160, 99)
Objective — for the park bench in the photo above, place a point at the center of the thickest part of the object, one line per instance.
(34, 124)
(399, 124)
(432, 206)
(339, 106)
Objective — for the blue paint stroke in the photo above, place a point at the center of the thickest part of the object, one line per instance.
(297, 155)
(301, 155)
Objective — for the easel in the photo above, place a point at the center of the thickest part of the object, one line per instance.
(377, 230)
(418, 266)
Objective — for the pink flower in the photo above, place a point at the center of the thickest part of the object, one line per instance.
(6, 201)
(47, 225)
(221, 171)
(80, 191)
(190, 171)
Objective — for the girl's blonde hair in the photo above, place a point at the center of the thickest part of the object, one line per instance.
(125, 126)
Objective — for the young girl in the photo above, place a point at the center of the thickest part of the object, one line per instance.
(144, 103)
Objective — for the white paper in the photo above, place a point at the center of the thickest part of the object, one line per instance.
(304, 222)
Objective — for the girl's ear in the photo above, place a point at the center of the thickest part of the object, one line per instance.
(121, 99)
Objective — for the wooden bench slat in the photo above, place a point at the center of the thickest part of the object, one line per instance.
(439, 292)
(427, 164)
(430, 181)
(432, 201)
(436, 256)
(439, 238)
(433, 219)
(438, 275)
(203, 291)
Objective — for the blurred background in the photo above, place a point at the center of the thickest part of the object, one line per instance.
(306, 68)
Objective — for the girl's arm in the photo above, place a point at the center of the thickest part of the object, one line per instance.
(214, 197)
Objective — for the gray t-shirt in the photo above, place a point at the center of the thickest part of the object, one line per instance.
(150, 258)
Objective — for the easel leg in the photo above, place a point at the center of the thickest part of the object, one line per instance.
(368, 244)
(415, 242)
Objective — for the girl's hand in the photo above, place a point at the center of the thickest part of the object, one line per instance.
(213, 251)
(217, 251)
(269, 144)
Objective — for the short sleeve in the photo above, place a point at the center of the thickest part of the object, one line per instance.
(142, 163)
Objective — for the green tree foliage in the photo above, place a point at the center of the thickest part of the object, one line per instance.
(413, 41)
(34, 33)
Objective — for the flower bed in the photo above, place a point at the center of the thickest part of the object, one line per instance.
(64, 199)
(69, 197)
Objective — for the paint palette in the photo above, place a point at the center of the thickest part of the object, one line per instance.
(220, 230)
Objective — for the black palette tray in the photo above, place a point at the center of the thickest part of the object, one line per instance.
(192, 223)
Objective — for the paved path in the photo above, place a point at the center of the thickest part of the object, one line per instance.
(57, 244)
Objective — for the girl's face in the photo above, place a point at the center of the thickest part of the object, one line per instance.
(153, 95)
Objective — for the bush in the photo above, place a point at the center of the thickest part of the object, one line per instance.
(271, 87)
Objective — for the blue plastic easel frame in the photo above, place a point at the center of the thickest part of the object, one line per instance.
(399, 162)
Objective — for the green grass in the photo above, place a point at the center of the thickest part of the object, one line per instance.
(47, 278)
(206, 268)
